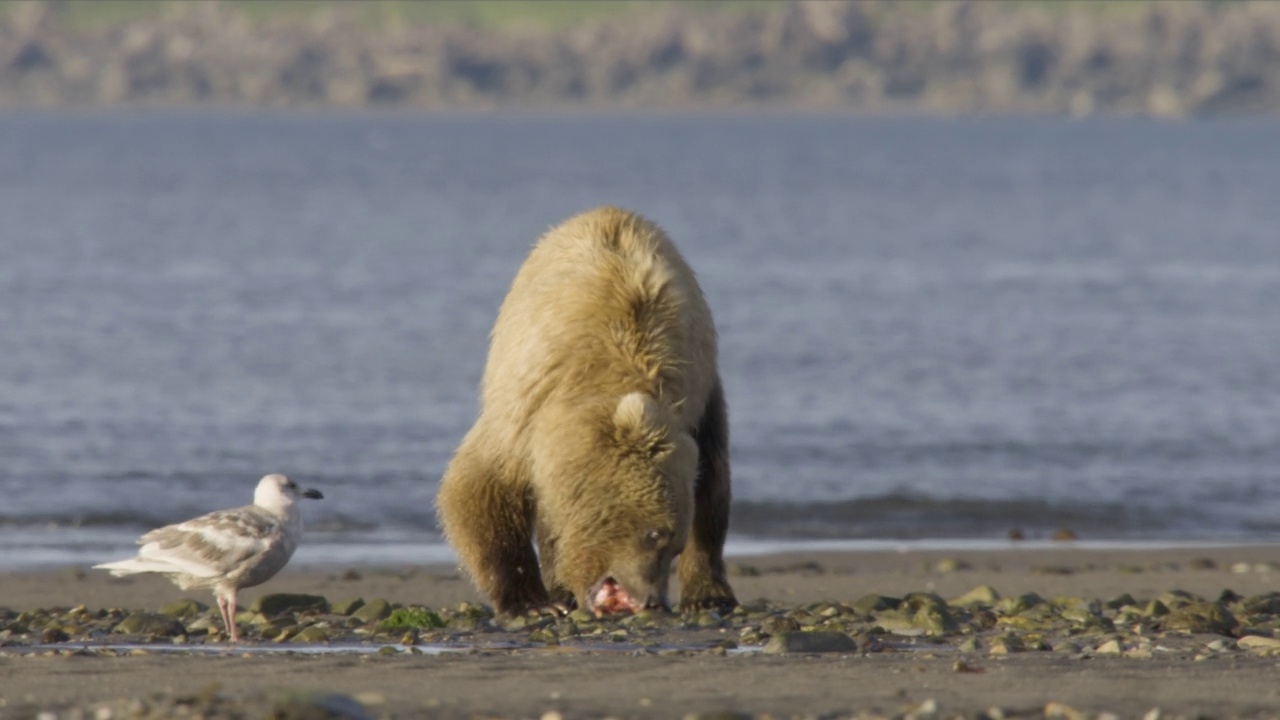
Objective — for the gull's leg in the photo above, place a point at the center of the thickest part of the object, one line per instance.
(231, 617)
(227, 620)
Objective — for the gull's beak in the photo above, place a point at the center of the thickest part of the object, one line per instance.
(313, 494)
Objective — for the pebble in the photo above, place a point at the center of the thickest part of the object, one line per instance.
(811, 642)
(1110, 647)
(1258, 642)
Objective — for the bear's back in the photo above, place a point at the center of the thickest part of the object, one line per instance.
(604, 305)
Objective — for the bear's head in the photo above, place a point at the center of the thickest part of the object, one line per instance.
(630, 511)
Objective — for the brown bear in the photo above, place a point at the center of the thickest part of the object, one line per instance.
(602, 435)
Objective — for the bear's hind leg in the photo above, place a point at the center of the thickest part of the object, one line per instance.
(488, 519)
(703, 583)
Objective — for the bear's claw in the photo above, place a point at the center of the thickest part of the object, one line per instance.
(722, 604)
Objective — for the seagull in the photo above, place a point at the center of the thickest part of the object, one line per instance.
(226, 550)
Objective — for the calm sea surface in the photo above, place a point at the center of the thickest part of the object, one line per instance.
(930, 329)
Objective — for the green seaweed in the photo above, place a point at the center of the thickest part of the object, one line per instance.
(413, 617)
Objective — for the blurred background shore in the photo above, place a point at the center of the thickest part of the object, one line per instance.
(1164, 59)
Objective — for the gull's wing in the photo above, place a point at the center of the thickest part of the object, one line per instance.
(214, 544)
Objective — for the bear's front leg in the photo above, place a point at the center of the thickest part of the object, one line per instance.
(488, 519)
(562, 600)
(703, 583)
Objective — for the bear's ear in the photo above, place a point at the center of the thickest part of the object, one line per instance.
(638, 420)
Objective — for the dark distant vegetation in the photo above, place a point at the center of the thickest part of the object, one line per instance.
(944, 56)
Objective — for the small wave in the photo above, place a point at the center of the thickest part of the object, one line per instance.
(904, 516)
(106, 519)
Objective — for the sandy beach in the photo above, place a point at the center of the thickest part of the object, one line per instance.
(991, 655)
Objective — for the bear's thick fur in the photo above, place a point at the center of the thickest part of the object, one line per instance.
(603, 431)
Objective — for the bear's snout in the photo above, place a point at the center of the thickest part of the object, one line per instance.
(609, 597)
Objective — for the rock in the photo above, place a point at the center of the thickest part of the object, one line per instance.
(184, 608)
(778, 625)
(1201, 617)
(1174, 599)
(1115, 603)
(1057, 710)
(1258, 643)
(719, 715)
(54, 634)
(869, 604)
(1110, 647)
(811, 642)
(981, 595)
(141, 623)
(318, 706)
(581, 616)
(1266, 604)
(372, 611)
(1006, 645)
(280, 603)
(1155, 608)
(927, 709)
(947, 565)
(313, 634)
(1018, 604)
(348, 606)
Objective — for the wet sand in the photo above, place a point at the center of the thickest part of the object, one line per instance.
(1183, 674)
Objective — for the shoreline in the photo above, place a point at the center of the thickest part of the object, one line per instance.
(1124, 663)
(812, 575)
(334, 551)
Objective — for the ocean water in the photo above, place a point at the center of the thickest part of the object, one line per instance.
(932, 330)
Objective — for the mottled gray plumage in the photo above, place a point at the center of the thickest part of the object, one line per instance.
(226, 550)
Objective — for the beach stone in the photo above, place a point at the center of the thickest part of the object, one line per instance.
(141, 623)
(372, 611)
(868, 604)
(469, 623)
(1018, 604)
(184, 608)
(1006, 645)
(719, 715)
(899, 623)
(933, 620)
(1268, 604)
(778, 624)
(811, 642)
(581, 616)
(313, 634)
(927, 709)
(1257, 642)
(318, 706)
(1110, 647)
(1174, 599)
(348, 606)
(1201, 617)
(280, 603)
(1155, 608)
(1060, 711)
(54, 634)
(947, 565)
(981, 595)
(1115, 603)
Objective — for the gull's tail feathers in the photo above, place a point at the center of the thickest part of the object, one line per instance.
(133, 566)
